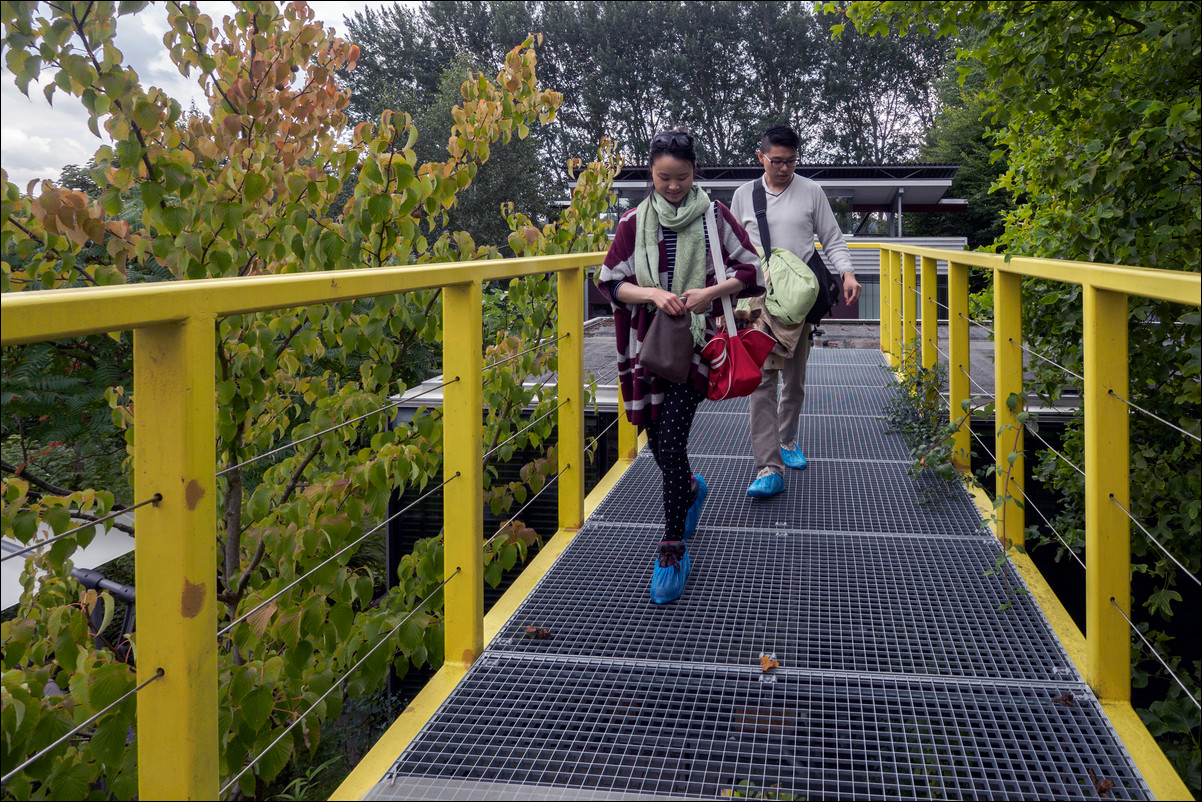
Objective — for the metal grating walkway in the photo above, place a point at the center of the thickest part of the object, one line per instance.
(902, 675)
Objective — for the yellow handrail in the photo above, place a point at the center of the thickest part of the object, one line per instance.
(174, 455)
(1104, 654)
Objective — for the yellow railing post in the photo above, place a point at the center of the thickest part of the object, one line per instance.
(930, 313)
(1107, 476)
(175, 559)
(463, 457)
(1008, 381)
(897, 321)
(884, 297)
(570, 449)
(959, 362)
(909, 302)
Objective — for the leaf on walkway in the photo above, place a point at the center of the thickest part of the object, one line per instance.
(768, 662)
(538, 632)
(1065, 699)
(1101, 786)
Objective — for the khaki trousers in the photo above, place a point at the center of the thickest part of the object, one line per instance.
(774, 420)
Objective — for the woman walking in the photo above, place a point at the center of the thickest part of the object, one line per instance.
(658, 264)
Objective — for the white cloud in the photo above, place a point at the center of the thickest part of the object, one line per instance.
(38, 139)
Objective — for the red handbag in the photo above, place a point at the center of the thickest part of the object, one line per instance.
(735, 357)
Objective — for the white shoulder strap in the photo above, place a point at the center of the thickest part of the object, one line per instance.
(711, 223)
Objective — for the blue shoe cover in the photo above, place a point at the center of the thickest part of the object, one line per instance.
(793, 457)
(765, 486)
(667, 582)
(694, 516)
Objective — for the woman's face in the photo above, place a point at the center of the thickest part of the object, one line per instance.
(673, 178)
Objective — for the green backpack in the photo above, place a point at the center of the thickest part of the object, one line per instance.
(791, 284)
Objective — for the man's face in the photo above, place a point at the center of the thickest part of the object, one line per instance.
(779, 162)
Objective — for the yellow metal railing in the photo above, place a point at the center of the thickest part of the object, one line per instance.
(175, 456)
(1103, 653)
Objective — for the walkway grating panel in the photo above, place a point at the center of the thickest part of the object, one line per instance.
(903, 604)
(907, 670)
(850, 375)
(821, 399)
(846, 356)
(666, 730)
(821, 437)
(829, 495)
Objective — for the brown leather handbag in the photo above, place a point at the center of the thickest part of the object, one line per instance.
(667, 348)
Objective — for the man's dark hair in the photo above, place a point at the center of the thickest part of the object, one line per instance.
(781, 135)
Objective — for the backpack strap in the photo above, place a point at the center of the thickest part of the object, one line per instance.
(759, 203)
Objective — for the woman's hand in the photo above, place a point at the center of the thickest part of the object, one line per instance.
(698, 300)
(669, 302)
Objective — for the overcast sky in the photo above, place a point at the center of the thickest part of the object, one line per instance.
(37, 140)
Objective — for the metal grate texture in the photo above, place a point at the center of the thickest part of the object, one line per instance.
(845, 356)
(913, 605)
(849, 375)
(909, 668)
(654, 729)
(820, 436)
(829, 495)
(821, 399)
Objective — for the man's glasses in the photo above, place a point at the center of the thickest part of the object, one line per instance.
(790, 163)
(672, 138)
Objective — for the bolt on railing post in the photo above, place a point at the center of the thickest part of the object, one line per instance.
(463, 454)
(570, 448)
(1107, 473)
(909, 299)
(1008, 380)
(176, 559)
(959, 362)
(930, 313)
(883, 300)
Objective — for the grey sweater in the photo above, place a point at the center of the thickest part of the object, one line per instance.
(795, 216)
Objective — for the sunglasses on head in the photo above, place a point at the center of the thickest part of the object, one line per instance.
(672, 139)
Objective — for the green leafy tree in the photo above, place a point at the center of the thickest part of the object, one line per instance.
(1095, 107)
(247, 187)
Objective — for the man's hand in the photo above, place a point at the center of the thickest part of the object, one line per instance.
(851, 288)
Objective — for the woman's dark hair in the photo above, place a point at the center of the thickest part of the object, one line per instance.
(676, 142)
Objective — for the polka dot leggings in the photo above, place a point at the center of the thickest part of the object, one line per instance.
(668, 437)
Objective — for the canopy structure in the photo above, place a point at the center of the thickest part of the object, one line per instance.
(887, 189)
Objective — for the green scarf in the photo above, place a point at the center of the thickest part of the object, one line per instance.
(685, 220)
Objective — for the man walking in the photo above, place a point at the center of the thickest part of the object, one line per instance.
(797, 211)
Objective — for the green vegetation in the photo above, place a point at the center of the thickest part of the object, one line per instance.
(254, 185)
(1093, 110)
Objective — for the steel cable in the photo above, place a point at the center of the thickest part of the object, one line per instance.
(1028, 503)
(512, 357)
(529, 501)
(1154, 540)
(324, 562)
(1155, 653)
(975, 323)
(1038, 355)
(39, 544)
(532, 499)
(339, 682)
(1154, 415)
(515, 435)
(80, 728)
(336, 426)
